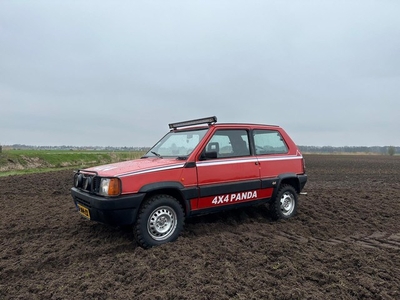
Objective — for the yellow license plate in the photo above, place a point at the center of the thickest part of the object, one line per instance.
(84, 211)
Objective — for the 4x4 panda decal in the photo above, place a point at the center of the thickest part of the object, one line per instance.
(234, 197)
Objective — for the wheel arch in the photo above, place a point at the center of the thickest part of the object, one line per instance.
(287, 178)
(171, 188)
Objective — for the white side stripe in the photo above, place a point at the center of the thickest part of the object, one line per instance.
(273, 158)
(225, 162)
(238, 161)
(153, 170)
(216, 162)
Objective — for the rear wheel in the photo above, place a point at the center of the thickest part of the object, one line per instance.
(160, 221)
(284, 206)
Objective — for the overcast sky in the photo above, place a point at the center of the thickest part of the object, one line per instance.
(115, 73)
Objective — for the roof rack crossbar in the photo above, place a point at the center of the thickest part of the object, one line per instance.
(208, 121)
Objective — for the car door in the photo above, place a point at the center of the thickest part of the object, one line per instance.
(227, 172)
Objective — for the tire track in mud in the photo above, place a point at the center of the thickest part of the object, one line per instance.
(377, 240)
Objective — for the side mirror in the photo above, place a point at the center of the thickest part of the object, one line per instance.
(209, 155)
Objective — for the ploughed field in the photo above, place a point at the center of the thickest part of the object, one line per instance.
(344, 243)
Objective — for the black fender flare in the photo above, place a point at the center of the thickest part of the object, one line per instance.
(185, 193)
(287, 177)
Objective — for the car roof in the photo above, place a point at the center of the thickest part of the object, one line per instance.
(252, 125)
(227, 126)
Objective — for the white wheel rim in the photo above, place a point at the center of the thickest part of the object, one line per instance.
(162, 223)
(287, 203)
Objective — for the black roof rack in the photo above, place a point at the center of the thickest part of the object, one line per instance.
(208, 121)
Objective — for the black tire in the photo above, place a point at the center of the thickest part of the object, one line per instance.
(160, 221)
(284, 206)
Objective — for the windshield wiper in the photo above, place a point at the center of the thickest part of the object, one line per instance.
(156, 154)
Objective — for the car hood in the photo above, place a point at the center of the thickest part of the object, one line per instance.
(136, 166)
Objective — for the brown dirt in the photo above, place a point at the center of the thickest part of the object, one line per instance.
(343, 244)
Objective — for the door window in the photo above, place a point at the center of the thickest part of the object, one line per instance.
(229, 143)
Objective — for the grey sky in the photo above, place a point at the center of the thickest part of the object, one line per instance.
(117, 72)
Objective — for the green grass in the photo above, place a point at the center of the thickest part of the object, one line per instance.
(33, 161)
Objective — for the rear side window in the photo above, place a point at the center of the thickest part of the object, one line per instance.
(269, 142)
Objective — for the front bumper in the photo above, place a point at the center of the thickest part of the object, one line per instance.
(116, 211)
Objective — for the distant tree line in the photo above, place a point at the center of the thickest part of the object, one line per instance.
(77, 148)
(391, 150)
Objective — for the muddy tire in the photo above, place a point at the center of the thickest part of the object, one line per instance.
(160, 221)
(284, 206)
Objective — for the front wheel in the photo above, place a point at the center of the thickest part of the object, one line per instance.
(160, 221)
(284, 206)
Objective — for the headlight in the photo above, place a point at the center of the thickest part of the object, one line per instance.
(110, 187)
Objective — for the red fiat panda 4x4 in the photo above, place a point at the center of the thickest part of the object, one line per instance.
(198, 167)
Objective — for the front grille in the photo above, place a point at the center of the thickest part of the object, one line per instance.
(96, 184)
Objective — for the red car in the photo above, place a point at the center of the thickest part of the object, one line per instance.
(198, 167)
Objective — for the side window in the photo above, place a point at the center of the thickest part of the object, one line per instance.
(229, 143)
(269, 142)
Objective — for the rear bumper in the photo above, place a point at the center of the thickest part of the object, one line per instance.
(115, 211)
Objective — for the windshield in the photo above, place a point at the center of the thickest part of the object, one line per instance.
(177, 144)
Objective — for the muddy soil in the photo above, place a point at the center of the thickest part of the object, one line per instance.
(344, 243)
